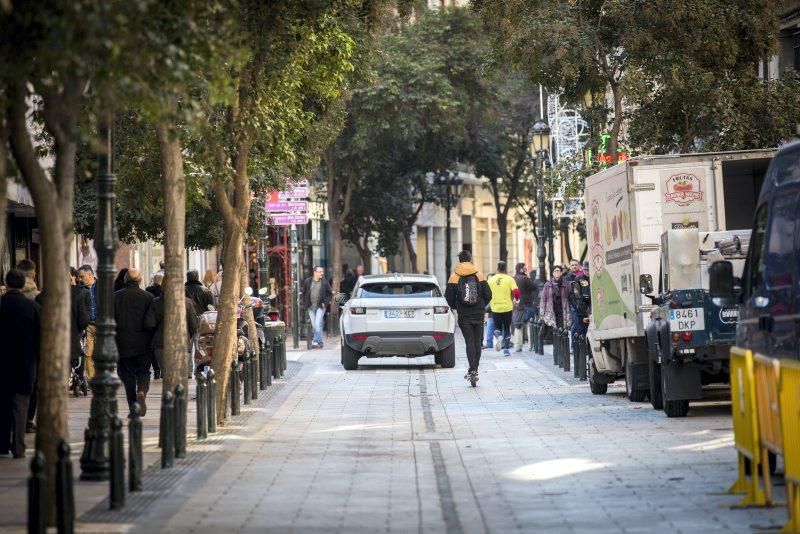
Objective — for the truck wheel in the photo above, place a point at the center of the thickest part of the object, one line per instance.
(656, 399)
(633, 394)
(447, 357)
(677, 408)
(349, 358)
(595, 387)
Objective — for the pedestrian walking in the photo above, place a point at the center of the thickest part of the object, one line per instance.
(134, 340)
(468, 294)
(196, 292)
(580, 301)
(504, 293)
(20, 332)
(554, 305)
(155, 288)
(80, 321)
(349, 283)
(119, 281)
(317, 294)
(523, 309)
(154, 321)
(28, 269)
(575, 270)
(88, 282)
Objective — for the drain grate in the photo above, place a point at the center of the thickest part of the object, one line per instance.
(158, 481)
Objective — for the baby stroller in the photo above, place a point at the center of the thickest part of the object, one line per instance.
(77, 379)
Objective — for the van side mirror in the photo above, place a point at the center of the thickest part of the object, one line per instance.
(645, 284)
(340, 299)
(721, 283)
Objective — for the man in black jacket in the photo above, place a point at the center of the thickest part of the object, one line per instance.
(19, 332)
(201, 296)
(470, 308)
(317, 294)
(523, 310)
(154, 321)
(133, 339)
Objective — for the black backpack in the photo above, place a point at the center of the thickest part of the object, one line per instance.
(468, 291)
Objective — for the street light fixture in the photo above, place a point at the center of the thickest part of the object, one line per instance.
(451, 182)
(540, 145)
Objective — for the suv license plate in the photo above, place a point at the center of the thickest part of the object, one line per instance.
(687, 319)
(398, 314)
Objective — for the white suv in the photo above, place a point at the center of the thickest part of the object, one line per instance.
(397, 315)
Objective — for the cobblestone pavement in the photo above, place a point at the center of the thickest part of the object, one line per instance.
(403, 446)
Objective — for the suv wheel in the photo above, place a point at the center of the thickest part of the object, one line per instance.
(349, 357)
(446, 357)
(595, 387)
(633, 394)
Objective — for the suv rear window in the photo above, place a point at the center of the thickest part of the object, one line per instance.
(398, 290)
(787, 167)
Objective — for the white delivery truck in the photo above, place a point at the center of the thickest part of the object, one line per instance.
(629, 207)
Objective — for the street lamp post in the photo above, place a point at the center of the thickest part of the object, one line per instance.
(95, 456)
(540, 143)
(451, 182)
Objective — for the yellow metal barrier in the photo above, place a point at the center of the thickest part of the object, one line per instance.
(745, 427)
(767, 372)
(790, 428)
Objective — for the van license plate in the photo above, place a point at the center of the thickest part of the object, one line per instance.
(687, 319)
(398, 314)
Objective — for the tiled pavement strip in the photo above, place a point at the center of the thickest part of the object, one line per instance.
(402, 446)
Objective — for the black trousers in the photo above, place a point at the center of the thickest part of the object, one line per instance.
(13, 416)
(473, 336)
(502, 322)
(33, 402)
(134, 371)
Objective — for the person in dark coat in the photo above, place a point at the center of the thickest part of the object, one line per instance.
(350, 281)
(523, 310)
(470, 317)
(119, 281)
(200, 296)
(19, 330)
(131, 304)
(155, 290)
(317, 294)
(154, 321)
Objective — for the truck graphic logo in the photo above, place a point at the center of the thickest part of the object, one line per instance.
(683, 189)
(729, 315)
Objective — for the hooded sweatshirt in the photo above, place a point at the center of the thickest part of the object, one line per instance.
(468, 314)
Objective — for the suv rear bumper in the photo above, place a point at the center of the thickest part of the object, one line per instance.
(408, 344)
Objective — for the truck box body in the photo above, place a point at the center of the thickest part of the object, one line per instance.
(629, 207)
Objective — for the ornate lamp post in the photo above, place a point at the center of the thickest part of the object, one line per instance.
(451, 183)
(95, 456)
(540, 144)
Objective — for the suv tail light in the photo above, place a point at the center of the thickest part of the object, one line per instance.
(358, 310)
(687, 336)
(673, 304)
(438, 336)
(441, 309)
(360, 337)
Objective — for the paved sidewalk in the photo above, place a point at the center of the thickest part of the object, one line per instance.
(402, 446)
(91, 497)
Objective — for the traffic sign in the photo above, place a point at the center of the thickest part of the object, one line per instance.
(295, 193)
(288, 220)
(284, 206)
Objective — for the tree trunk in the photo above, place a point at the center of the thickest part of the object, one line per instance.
(412, 254)
(175, 364)
(53, 203)
(617, 124)
(565, 239)
(502, 228)
(224, 350)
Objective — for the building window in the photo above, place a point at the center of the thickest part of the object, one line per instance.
(797, 51)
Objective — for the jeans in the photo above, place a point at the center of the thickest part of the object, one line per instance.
(317, 317)
(489, 333)
(472, 337)
(502, 322)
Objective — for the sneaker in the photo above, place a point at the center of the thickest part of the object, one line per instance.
(466, 376)
(141, 398)
(474, 374)
(498, 340)
(506, 352)
(315, 345)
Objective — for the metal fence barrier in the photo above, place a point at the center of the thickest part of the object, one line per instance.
(789, 401)
(211, 402)
(179, 420)
(65, 498)
(117, 478)
(766, 372)
(37, 496)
